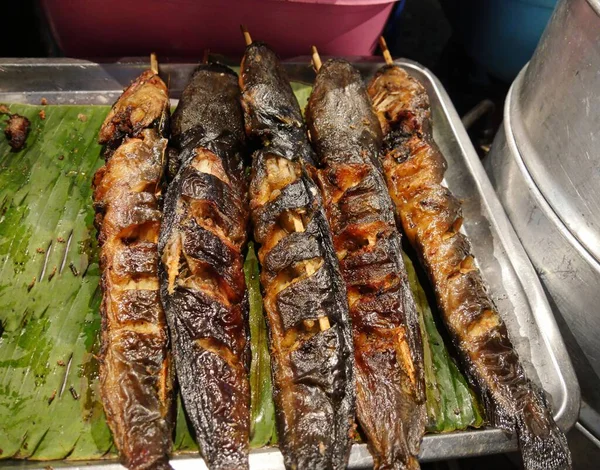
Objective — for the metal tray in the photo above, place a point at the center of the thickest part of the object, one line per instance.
(505, 266)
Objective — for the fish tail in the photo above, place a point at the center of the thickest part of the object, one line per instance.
(413, 464)
(401, 462)
(543, 445)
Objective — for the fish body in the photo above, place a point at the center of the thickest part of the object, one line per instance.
(203, 288)
(431, 217)
(304, 294)
(135, 364)
(388, 348)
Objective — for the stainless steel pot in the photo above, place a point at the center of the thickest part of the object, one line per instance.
(555, 111)
(545, 167)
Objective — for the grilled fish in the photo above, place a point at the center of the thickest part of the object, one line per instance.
(304, 294)
(431, 218)
(135, 369)
(203, 288)
(388, 350)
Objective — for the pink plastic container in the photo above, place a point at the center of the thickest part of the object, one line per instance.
(184, 28)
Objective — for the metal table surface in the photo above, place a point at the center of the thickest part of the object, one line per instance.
(511, 278)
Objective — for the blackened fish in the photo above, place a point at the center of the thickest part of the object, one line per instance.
(388, 350)
(431, 217)
(304, 294)
(135, 369)
(202, 280)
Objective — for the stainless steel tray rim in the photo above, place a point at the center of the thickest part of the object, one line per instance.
(529, 280)
(270, 458)
(571, 382)
(570, 277)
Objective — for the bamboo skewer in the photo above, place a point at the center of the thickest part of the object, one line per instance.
(154, 63)
(246, 34)
(298, 224)
(154, 69)
(316, 59)
(284, 167)
(205, 56)
(385, 51)
(324, 323)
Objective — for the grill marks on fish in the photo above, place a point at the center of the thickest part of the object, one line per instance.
(304, 295)
(202, 281)
(387, 338)
(135, 370)
(431, 217)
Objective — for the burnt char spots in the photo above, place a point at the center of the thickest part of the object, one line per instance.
(431, 216)
(135, 369)
(387, 339)
(202, 282)
(16, 131)
(304, 296)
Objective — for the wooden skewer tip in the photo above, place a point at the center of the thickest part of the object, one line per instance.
(382, 43)
(385, 51)
(205, 56)
(153, 62)
(316, 59)
(298, 224)
(246, 34)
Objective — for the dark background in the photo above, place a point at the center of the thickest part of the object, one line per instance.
(424, 34)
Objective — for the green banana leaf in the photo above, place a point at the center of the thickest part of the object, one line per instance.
(451, 404)
(49, 301)
(49, 295)
(262, 409)
(302, 92)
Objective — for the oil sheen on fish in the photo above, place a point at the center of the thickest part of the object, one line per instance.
(203, 288)
(431, 217)
(135, 368)
(304, 293)
(388, 349)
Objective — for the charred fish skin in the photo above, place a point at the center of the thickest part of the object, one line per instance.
(273, 116)
(388, 346)
(203, 288)
(431, 217)
(136, 380)
(304, 293)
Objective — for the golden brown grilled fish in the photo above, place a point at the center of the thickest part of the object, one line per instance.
(388, 350)
(431, 218)
(135, 369)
